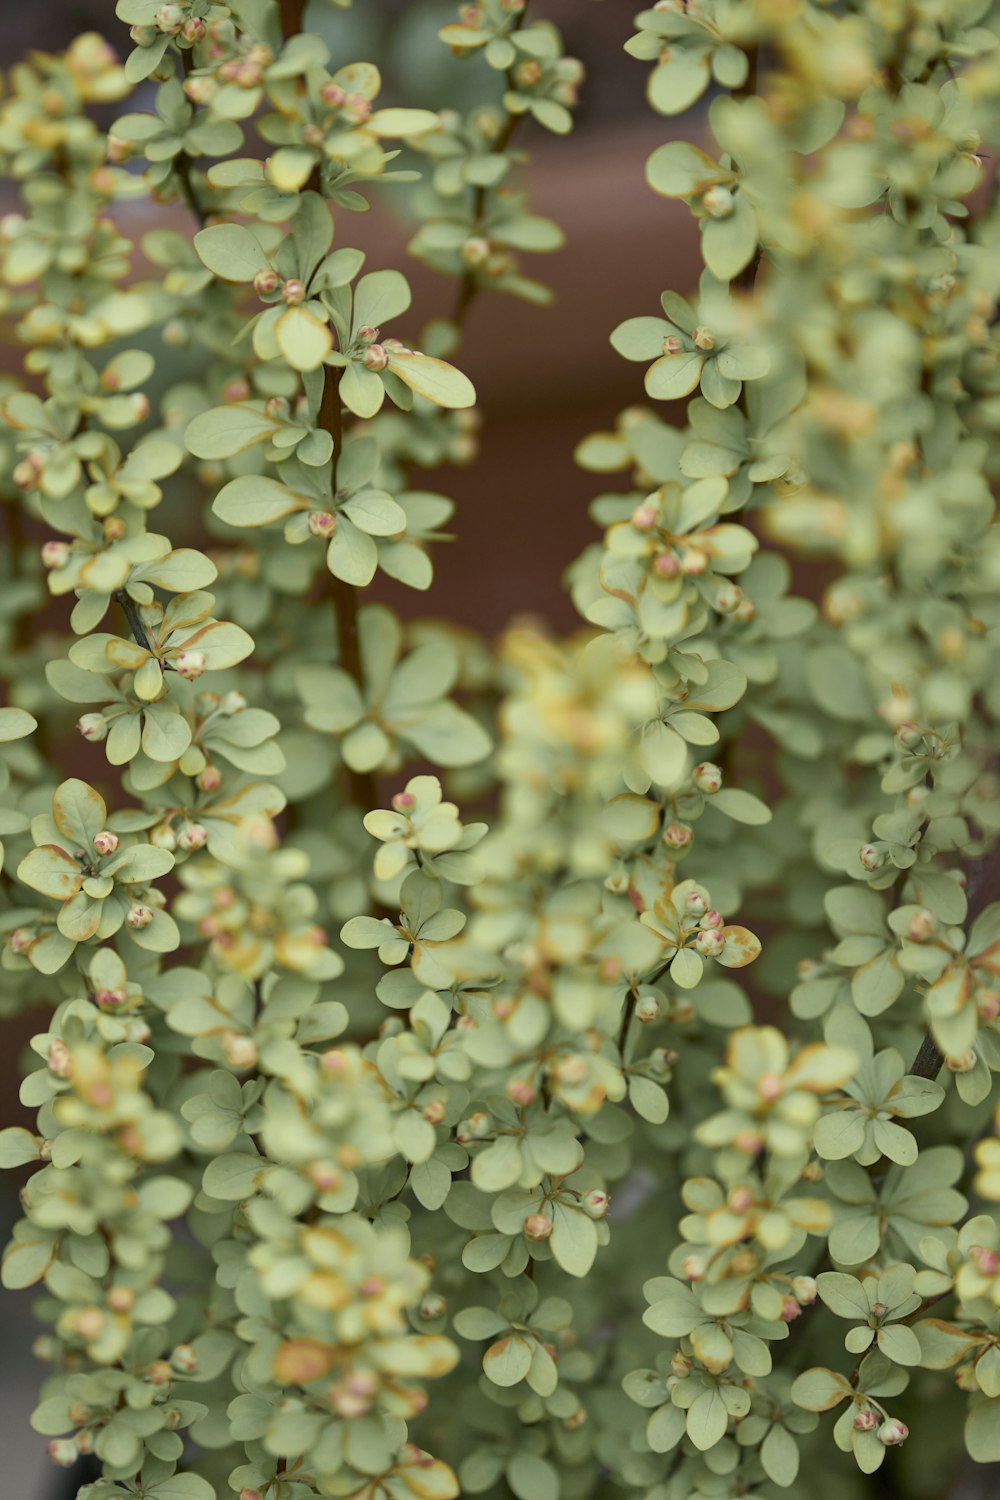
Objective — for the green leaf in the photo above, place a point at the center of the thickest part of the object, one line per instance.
(233, 1176)
(982, 1431)
(15, 724)
(819, 1389)
(80, 812)
(680, 170)
(508, 1361)
(741, 806)
(378, 298)
(531, 1477)
(674, 375)
(728, 244)
(303, 339)
(779, 1456)
(17, 1146)
(707, 1419)
(255, 500)
(573, 1239)
(224, 431)
(230, 252)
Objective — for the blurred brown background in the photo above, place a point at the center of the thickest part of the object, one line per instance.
(545, 378)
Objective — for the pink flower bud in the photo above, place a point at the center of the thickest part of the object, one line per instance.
(92, 727)
(695, 904)
(537, 1227)
(666, 565)
(709, 942)
(184, 1358)
(921, 926)
(106, 842)
(770, 1087)
(139, 916)
(707, 778)
(322, 523)
(293, 292)
(241, 1051)
(366, 334)
(963, 1064)
(331, 93)
(872, 859)
(59, 1059)
(210, 779)
(163, 837)
(194, 29)
(434, 1112)
(866, 1420)
(20, 939)
(190, 664)
(55, 554)
(433, 1306)
(403, 801)
(64, 1452)
(718, 202)
(892, 1432)
(677, 835)
(375, 357)
(521, 1091)
(909, 735)
(358, 107)
(169, 19)
(111, 999)
(596, 1203)
(644, 517)
(703, 338)
(527, 73)
(235, 391)
(193, 836)
(476, 251)
(749, 1142)
(672, 344)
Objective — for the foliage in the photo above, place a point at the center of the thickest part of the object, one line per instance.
(339, 1077)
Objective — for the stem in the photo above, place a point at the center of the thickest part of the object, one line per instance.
(291, 13)
(470, 287)
(628, 1010)
(131, 612)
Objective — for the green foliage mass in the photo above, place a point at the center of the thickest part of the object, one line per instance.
(397, 1140)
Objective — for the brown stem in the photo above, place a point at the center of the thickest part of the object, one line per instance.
(469, 286)
(131, 611)
(291, 13)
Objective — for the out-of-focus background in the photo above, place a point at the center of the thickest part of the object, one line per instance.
(545, 378)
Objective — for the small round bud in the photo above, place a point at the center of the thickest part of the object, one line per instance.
(707, 777)
(55, 554)
(718, 202)
(434, 1112)
(677, 835)
(709, 942)
(293, 292)
(169, 19)
(537, 1227)
(59, 1059)
(476, 251)
(375, 357)
(121, 1299)
(111, 999)
(210, 779)
(694, 1267)
(358, 107)
(527, 73)
(106, 842)
(672, 344)
(433, 1306)
(871, 858)
(521, 1091)
(233, 703)
(159, 1372)
(893, 1432)
(866, 1420)
(595, 1203)
(235, 391)
(712, 919)
(770, 1087)
(190, 664)
(644, 517)
(749, 1142)
(25, 475)
(703, 338)
(403, 801)
(331, 93)
(666, 565)
(909, 735)
(184, 1358)
(20, 939)
(964, 1064)
(92, 727)
(921, 926)
(163, 837)
(695, 904)
(789, 1309)
(192, 836)
(194, 29)
(139, 916)
(64, 1452)
(647, 1009)
(241, 1051)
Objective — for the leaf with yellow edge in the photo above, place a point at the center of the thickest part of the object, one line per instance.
(740, 947)
(290, 167)
(434, 378)
(15, 723)
(420, 1356)
(402, 122)
(79, 811)
(426, 1477)
(303, 339)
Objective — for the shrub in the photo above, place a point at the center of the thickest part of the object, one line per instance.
(343, 1067)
